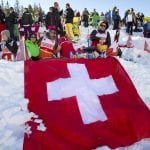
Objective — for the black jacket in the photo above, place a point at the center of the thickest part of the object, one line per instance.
(14, 15)
(69, 15)
(50, 19)
(26, 19)
(2, 16)
(11, 45)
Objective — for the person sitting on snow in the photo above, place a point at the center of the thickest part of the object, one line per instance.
(8, 47)
(49, 47)
(101, 38)
(32, 47)
(101, 42)
(67, 48)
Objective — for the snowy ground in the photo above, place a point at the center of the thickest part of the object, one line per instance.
(13, 107)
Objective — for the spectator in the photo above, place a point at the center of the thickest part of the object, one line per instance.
(8, 46)
(32, 47)
(130, 21)
(14, 15)
(66, 46)
(49, 47)
(85, 17)
(101, 38)
(69, 14)
(50, 18)
(57, 17)
(117, 20)
(95, 18)
(26, 22)
(9, 22)
(2, 20)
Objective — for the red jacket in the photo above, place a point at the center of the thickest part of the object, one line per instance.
(66, 47)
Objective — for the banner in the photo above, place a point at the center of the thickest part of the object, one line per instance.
(84, 104)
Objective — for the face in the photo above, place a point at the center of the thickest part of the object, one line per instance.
(52, 34)
(67, 6)
(56, 5)
(102, 26)
(33, 38)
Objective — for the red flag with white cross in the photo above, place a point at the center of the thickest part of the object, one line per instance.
(84, 104)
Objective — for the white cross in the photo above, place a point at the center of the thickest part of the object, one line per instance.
(86, 91)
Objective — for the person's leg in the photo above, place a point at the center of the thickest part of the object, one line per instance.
(28, 31)
(70, 26)
(69, 31)
(25, 32)
(11, 31)
(16, 32)
(131, 28)
(128, 27)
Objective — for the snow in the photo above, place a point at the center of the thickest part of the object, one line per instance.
(13, 108)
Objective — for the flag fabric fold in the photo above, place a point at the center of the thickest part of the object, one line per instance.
(84, 104)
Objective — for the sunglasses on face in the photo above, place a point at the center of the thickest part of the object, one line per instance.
(53, 32)
(103, 25)
(33, 36)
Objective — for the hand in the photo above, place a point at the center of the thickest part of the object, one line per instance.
(110, 52)
(58, 48)
(3, 41)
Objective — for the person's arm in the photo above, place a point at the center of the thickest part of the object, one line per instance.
(112, 52)
(0, 47)
(39, 40)
(93, 36)
(56, 47)
(61, 12)
(108, 39)
(28, 52)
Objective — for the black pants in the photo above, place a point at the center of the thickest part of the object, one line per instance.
(35, 58)
(130, 27)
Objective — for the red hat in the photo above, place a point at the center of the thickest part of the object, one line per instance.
(52, 28)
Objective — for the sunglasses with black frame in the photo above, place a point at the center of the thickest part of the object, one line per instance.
(33, 37)
(102, 25)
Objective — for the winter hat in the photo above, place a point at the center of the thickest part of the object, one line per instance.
(68, 4)
(105, 22)
(52, 27)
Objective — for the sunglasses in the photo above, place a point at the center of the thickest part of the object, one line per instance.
(33, 36)
(103, 25)
(54, 32)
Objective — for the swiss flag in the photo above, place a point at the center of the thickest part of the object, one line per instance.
(84, 104)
